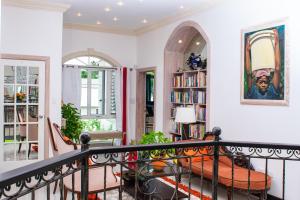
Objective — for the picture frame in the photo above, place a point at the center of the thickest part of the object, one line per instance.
(264, 64)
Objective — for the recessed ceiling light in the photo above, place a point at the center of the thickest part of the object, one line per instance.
(79, 14)
(115, 19)
(120, 3)
(197, 43)
(144, 21)
(98, 22)
(179, 41)
(107, 9)
(181, 7)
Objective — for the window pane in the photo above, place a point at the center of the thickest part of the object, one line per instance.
(33, 113)
(9, 94)
(33, 75)
(21, 94)
(95, 111)
(21, 114)
(21, 75)
(104, 64)
(73, 62)
(9, 152)
(97, 92)
(83, 111)
(84, 60)
(94, 61)
(9, 74)
(8, 133)
(33, 94)
(95, 96)
(9, 114)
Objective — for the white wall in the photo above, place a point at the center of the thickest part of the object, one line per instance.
(121, 48)
(223, 25)
(36, 32)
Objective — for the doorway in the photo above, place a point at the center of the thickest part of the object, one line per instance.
(24, 103)
(145, 101)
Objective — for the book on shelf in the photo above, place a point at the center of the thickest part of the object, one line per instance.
(178, 81)
(188, 97)
(201, 77)
(200, 113)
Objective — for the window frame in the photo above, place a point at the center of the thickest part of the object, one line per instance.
(106, 85)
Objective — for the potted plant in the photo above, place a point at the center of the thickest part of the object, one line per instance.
(73, 125)
(156, 137)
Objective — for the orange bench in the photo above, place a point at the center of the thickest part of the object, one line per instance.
(259, 183)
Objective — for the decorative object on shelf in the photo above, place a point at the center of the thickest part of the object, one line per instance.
(194, 61)
(264, 65)
(74, 125)
(185, 115)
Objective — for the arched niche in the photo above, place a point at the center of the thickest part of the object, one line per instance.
(175, 55)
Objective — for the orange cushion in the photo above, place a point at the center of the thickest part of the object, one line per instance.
(66, 139)
(197, 153)
(90, 162)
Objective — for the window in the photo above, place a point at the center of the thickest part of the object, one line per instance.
(98, 90)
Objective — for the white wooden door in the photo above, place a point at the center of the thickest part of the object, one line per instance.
(22, 93)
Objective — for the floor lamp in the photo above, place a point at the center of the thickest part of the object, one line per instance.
(185, 115)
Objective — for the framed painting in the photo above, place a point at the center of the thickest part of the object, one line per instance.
(264, 74)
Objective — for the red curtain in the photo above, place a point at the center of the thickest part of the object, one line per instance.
(124, 105)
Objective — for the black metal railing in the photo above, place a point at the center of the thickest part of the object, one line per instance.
(140, 171)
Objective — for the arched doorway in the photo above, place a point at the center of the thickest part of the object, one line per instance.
(178, 47)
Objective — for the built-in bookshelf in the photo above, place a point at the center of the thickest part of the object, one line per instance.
(189, 89)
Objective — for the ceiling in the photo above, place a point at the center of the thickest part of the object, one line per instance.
(133, 15)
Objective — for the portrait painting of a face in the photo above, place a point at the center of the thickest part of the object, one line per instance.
(264, 76)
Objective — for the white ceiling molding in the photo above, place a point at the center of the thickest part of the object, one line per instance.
(169, 20)
(99, 28)
(37, 4)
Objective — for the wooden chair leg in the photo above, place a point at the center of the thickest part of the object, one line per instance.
(78, 195)
(65, 193)
(20, 145)
(29, 149)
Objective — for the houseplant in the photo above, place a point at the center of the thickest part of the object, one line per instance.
(74, 125)
(156, 137)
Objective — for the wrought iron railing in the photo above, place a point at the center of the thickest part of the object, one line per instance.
(138, 171)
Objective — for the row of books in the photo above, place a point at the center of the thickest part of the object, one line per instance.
(178, 81)
(189, 131)
(196, 130)
(191, 80)
(200, 113)
(188, 97)
(195, 80)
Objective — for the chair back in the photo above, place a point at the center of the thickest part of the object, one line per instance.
(59, 145)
